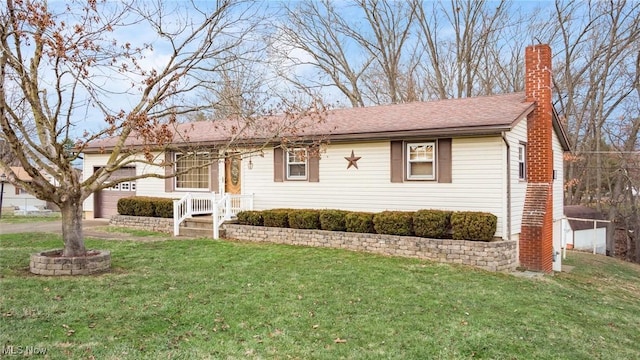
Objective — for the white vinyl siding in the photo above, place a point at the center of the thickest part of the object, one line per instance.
(476, 171)
(518, 187)
(558, 182)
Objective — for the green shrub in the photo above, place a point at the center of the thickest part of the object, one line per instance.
(143, 206)
(125, 206)
(359, 222)
(276, 218)
(476, 226)
(163, 207)
(146, 206)
(251, 217)
(435, 224)
(333, 220)
(394, 223)
(304, 219)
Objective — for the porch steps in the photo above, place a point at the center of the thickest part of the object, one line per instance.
(198, 226)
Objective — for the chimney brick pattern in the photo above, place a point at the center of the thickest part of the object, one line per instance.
(536, 236)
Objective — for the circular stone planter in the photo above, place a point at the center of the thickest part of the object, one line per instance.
(52, 263)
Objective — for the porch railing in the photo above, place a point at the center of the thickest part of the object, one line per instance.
(222, 207)
(189, 205)
(227, 207)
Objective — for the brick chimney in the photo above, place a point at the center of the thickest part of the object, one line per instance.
(536, 236)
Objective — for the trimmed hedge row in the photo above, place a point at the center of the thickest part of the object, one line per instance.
(146, 206)
(436, 224)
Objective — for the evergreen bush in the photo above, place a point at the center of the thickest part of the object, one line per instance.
(333, 220)
(394, 223)
(250, 217)
(276, 218)
(359, 222)
(434, 224)
(304, 219)
(475, 226)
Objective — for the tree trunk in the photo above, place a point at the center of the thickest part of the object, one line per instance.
(71, 211)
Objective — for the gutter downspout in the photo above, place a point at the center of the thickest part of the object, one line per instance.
(508, 179)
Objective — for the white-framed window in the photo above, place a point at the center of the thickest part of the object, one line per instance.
(421, 161)
(193, 173)
(115, 187)
(522, 161)
(125, 186)
(133, 186)
(296, 164)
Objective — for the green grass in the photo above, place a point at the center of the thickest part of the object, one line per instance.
(131, 231)
(199, 299)
(21, 219)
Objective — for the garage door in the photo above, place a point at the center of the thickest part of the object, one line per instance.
(106, 200)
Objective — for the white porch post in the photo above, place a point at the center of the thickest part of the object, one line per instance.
(216, 231)
(227, 207)
(176, 217)
(189, 205)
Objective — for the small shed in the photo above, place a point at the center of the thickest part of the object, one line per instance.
(585, 229)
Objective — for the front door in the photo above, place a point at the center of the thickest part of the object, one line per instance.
(232, 172)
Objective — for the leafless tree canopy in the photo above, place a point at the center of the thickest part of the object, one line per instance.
(67, 64)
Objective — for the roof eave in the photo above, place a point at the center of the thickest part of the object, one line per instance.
(560, 131)
(425, 133)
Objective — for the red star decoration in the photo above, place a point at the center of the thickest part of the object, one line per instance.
(353, 160)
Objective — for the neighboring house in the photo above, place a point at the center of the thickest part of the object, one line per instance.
(16, 198)
(583, 231)
(501, 154)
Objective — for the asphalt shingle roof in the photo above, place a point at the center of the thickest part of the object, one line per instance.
(442, 117)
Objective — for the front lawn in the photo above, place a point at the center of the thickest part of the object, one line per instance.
(22, 219)
(199, 299)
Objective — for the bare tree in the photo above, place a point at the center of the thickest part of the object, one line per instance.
(596, 80)
(315, 35)
(368, 61)
(386, 38)
(65, 64)
(463, 42)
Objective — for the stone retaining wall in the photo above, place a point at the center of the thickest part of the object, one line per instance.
(492, 256)
(143, 223)
(53, 264)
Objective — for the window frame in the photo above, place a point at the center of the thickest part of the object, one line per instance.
(176, 157)
(408, 162)
(288, 164)
(522, 161)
